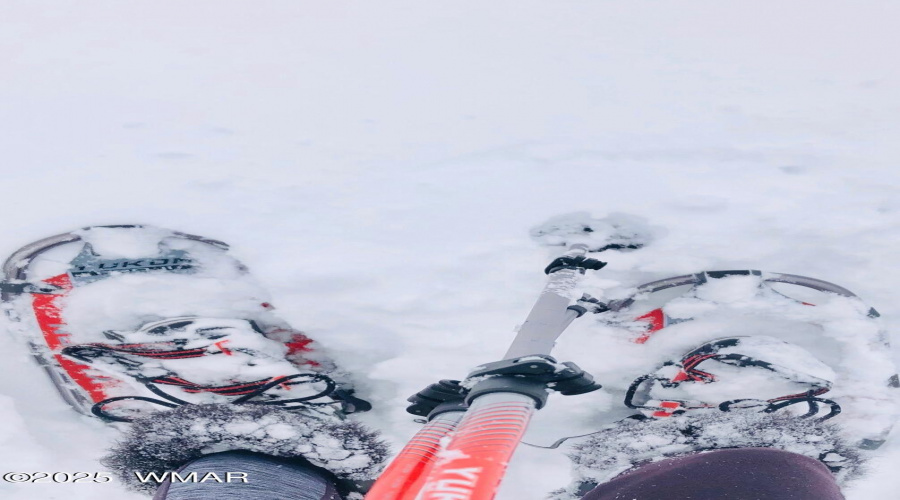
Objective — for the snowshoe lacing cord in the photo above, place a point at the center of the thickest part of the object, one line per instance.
(771, 405)
(785, 401)
(245, 391)
(249, 390)
(689, 373)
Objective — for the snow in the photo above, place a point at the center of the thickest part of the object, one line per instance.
(378, 166)
(130, 300)
(115, 244)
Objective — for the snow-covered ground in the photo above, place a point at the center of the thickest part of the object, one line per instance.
(378, 166)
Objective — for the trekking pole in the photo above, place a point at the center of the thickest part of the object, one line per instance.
(501, 399)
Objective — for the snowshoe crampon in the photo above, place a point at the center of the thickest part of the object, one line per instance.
(129, 318)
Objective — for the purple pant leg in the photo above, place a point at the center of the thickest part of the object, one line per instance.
(729, 474)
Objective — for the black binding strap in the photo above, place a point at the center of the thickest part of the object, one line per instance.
(579, 262)
(170, 401)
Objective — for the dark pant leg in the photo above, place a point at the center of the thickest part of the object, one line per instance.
(267, 478)
(729, 474)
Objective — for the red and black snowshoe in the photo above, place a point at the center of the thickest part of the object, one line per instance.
(121, 317)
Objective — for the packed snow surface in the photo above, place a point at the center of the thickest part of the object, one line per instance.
(378, 166)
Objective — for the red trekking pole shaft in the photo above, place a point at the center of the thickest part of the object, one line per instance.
(404, 477)
(474, 462)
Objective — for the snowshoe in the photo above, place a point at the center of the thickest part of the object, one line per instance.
(848, 352)
(129, 318)
(751, 359)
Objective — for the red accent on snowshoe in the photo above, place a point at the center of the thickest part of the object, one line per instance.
(692, 373)
(299, 343)
(48, 314)
(800, 395)
(226, 390)
(657, 321)
(284, 385)
(668, 409)
(221, 345)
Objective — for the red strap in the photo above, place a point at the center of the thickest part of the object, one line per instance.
(657, 320)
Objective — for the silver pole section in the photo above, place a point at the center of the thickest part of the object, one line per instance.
(550, 315)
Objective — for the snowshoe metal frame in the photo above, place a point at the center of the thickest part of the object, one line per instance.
(700, 278)
(16, 266)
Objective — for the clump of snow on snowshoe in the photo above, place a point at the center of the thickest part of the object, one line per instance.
(128, 301)
(116, 243)
(215, 285)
